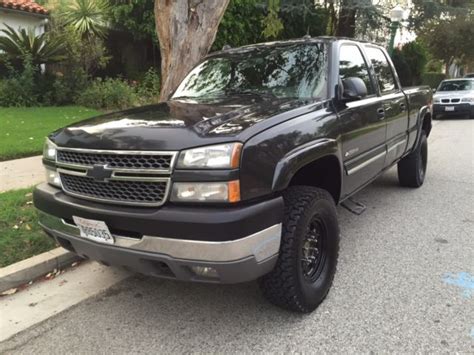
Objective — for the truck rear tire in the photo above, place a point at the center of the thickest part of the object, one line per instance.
(412, 168)
(308, 253)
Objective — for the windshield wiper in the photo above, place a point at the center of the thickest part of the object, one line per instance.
(266, 95)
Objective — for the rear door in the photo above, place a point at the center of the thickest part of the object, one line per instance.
(394, 103)
(362, 123)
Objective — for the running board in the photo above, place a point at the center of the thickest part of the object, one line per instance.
(353, 206)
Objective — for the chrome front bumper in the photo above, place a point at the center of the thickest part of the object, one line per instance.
(234, 261)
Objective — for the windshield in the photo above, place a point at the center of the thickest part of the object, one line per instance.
(456, 85)
(296, 71)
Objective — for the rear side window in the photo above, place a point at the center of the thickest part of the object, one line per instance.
(382, 69)
(352, 64)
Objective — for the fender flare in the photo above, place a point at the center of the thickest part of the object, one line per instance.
(424, 110)
(301, 156)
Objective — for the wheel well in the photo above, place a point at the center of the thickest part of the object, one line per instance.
(426, 124)
(324, 173)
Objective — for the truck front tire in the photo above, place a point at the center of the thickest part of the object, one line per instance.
(308, 253)
(412, 168)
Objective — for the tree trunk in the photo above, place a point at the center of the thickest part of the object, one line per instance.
(346, 21)
(186, 30)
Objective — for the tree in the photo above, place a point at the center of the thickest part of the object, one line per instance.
(82, 26)
(425, 12)
(87, 17)
(136, 17)
(450, 40)
(41, 49)
(241, 24)
(410, 62)
(186, 30)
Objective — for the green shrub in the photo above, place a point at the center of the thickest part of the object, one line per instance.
(18, 89)
(148, 90)
(432, 79)
(410, 63)
(108, 94)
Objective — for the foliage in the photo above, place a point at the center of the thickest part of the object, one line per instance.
(134, 16)
(87, 17)
(40, 48)
(432, 79)
(18, 89)
(23, 129)
(88, 54)
(22, 236)
(450, 39)
(272, 24)
(148, 90)
(294, 18)
(108, 94)
(434, 66)
(302, 17)
(425, 12)
(241, 24)
(410, 63)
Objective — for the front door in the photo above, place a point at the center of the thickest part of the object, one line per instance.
(362, 123)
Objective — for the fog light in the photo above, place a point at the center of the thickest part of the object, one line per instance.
(52, 178)
(205, 271)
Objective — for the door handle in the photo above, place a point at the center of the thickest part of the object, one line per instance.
(403, 107)
(381, 113)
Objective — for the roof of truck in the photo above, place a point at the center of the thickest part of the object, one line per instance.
(305, 39)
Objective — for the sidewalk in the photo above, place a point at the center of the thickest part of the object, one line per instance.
(21, 173)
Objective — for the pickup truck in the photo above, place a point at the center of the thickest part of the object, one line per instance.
(237, 176)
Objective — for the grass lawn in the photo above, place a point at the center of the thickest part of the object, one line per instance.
(20, 235)
(22, 130)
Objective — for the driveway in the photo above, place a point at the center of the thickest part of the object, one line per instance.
(404, 284)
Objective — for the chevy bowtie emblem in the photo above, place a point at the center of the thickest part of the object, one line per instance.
(99, 173)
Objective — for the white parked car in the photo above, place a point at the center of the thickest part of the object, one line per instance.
(454, 97)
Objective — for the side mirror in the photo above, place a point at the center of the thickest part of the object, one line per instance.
(353, 89)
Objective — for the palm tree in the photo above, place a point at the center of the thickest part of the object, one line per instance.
(40, 48)
(87, 17)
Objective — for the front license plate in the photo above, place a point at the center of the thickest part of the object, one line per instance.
(94, 230)
(449, 108)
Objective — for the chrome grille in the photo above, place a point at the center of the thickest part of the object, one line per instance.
(122, 161)
(140, 178)
(116, 191)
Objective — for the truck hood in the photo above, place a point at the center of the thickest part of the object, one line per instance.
(173, 125)
(453, 94)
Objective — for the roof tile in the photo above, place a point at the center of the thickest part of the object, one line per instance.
(23, 5)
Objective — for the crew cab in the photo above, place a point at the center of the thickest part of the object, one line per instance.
(237, 176)
(454, 97)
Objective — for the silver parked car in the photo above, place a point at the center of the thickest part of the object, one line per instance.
(454, 97)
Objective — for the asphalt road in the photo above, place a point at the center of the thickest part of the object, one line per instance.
(404, 284)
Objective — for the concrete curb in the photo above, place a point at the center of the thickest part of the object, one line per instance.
(30, 269)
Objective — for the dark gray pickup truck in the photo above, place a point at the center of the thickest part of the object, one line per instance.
(237, 176)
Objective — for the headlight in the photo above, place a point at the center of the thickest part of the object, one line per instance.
(222, 156)
(467, 99)
(206, 191)
(49, 150)
(52, 177)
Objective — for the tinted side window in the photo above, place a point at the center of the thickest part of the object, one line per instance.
(382, 69)
(352, 64)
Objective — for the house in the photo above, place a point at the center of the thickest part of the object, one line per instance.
(23, 14)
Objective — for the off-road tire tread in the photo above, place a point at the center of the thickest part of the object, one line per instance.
(280, 285)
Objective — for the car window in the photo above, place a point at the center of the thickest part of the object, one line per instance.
(382, 69)
(352, 64)
(456, 85)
